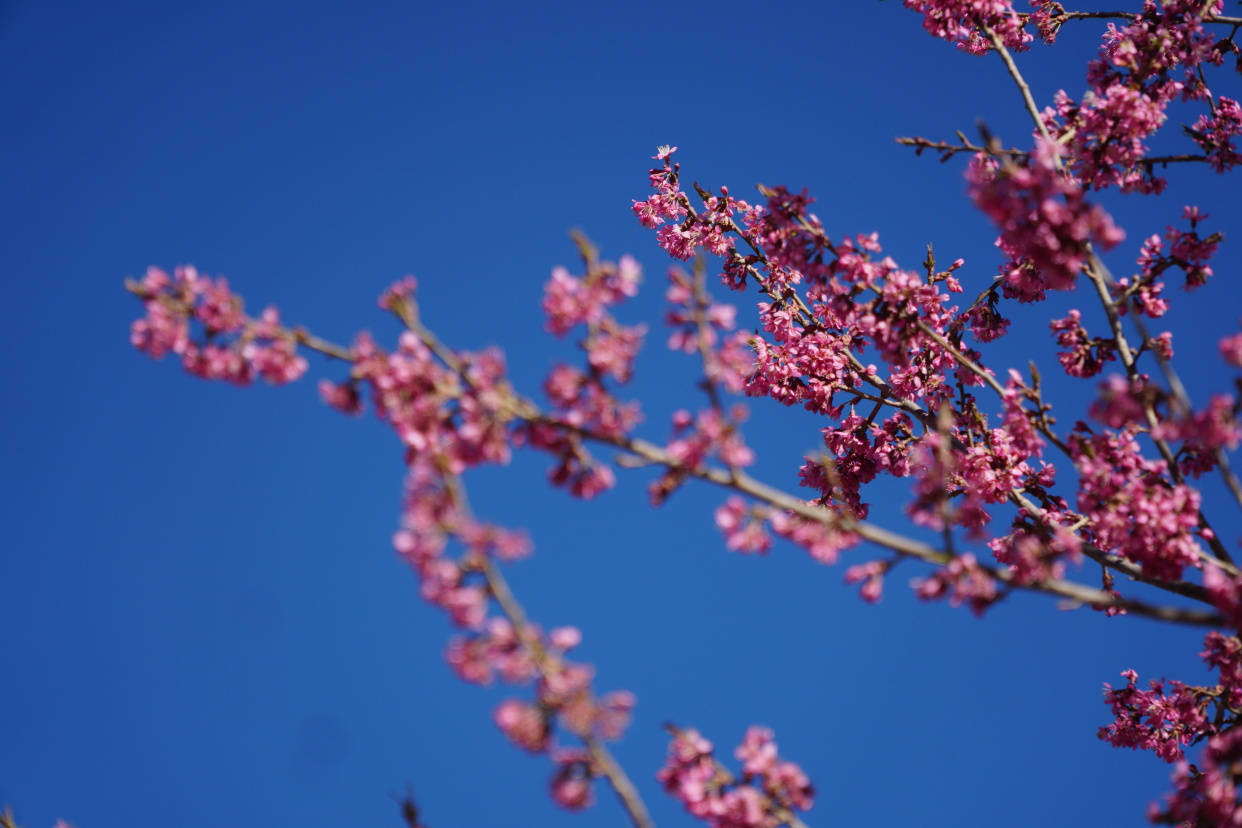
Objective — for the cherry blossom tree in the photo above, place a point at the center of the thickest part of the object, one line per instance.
(892, 360)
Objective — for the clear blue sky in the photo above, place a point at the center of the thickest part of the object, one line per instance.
(203, 622)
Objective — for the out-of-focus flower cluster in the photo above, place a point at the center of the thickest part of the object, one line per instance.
(1045, 222)
(580, 397)
(764, 795)
(200, 320)
(452, 413)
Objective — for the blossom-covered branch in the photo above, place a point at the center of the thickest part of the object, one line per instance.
(1097, 273)
(449, 410)
(510, 406)
(889, 366)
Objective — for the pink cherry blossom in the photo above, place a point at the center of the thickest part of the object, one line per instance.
(1042, 214)
(524, 724)
(764, 795)
(961, 22)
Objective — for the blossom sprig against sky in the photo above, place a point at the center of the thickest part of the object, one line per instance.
(450, 411)
(765, 794)
(963, 22)
(891, 360)
(259, 347)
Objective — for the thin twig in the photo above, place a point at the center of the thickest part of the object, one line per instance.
(703, 337)
(1117, 15)
(1031, 107)
(1183, 398)
(601, 758)
(920, 144)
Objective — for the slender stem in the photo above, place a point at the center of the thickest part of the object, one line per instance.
(324, 347)
(1183, 398)
(920, 144)
(703, 337)
(961, 359)
(601, 758)
(1231, 479)
(1117, 15)
(703, 333)
(1031, 107)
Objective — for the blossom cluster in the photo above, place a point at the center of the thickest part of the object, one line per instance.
(452, 412)
(1187, 251)
(1231, 350)
(1170, 716)
(580, 397)
(699, 325)
(766, 793)
(1214, 133)
(681, 230)
(232, 346)
(749, 529)
(964, 23)
(1207, 795)
(1142, 67)
(1202, 434)
(1044, 219)
(1162, 721)
(1083, 355)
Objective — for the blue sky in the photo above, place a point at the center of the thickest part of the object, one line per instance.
(204, 622)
